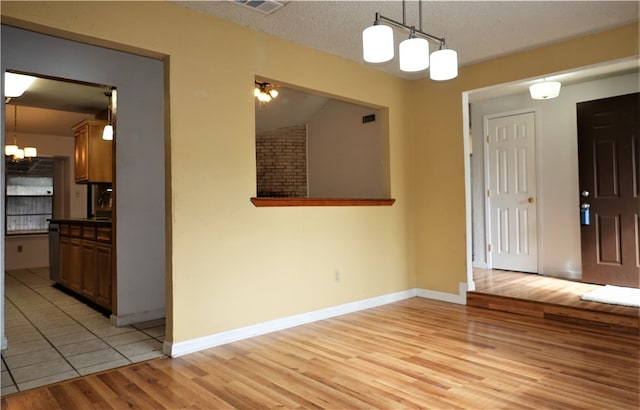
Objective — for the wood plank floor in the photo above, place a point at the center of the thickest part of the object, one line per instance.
(551, 298)
(416, 353)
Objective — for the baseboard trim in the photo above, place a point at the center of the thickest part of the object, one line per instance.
(194, 345)
(460, 298)
(139, 317)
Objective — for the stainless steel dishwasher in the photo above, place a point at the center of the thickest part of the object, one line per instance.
(54, 252)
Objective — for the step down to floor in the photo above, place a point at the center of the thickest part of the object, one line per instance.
(617, 322)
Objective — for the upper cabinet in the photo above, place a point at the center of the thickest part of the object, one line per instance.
(93, 155)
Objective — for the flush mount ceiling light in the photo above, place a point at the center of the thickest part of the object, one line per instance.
(378, 47)
(545, 90)
(13, 150)
(264, 92)
(16, 84)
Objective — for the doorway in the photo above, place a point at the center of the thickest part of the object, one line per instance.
(557, 199)
(141, 219)
(510, 171)
(609, 151)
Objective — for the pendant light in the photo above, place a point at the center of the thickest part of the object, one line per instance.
(414, 54)
(377, 47)
(444, 64)
(107, 132)
(377, 42)
(13, 150)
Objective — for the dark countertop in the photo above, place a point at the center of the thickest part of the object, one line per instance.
(81, 221)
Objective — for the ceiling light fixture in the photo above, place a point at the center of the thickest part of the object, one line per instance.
(264, 92)
(16, 84)
(378, 47)
(107, 132)
(13, 150)
(545, 90)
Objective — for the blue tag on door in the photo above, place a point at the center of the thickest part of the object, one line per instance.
(585, 216)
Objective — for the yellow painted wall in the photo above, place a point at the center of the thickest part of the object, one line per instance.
(232, 264)
(437, 130)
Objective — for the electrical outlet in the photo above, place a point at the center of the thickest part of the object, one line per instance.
(336, 275)
(19, 248)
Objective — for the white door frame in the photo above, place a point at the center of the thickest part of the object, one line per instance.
(487, 211)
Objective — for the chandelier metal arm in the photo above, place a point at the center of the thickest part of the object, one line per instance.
(380, 17)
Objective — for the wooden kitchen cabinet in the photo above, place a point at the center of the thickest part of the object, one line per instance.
(86, 266)
(64, 258)
(93, 156)
(103, 275)
(89, 271)
(75, 265)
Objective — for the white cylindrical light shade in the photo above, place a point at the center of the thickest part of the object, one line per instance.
(414, 54)
(107, 132)
(19, 154)
(444, 65)
(545, 90)
(30, 152)
(16, 84)
(10, 149)
(377, 43)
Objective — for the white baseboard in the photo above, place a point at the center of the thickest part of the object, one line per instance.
(191, 346)
(139, 317)
(460, 298)
(3, 343)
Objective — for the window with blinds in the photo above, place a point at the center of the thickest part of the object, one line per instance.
(29, 196)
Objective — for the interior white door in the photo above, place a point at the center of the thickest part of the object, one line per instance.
(511, 195)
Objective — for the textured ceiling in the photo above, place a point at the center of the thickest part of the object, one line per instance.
(477, 30)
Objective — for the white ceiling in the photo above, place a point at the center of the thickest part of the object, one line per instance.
(477, 30)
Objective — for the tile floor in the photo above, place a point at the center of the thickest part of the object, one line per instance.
(53, 337)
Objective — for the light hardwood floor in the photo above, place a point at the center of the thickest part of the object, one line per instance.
(416, 353)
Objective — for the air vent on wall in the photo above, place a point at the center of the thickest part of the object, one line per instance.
(368, 118)
(264, 6)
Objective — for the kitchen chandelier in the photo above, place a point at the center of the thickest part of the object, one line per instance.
(264, 92)
(545, 90)
(378, 47)
(12, 150)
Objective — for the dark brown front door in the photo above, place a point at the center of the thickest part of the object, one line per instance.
(609, 157)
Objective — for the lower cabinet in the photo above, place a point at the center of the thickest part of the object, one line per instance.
(86, 264)
(89, 277)
(103, 273)
(75, 265)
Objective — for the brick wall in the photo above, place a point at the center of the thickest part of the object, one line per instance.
(281, 162)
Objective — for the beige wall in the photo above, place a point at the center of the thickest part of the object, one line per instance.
(227, 266)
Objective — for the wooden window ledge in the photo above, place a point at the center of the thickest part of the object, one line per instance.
(264, 202)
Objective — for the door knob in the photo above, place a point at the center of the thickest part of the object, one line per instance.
(531, 200)
(584, 193)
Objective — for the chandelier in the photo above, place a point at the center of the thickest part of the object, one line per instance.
(378, 47)
(264, 92)
(13, 150)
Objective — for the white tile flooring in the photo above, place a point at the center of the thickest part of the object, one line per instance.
(53, 337)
